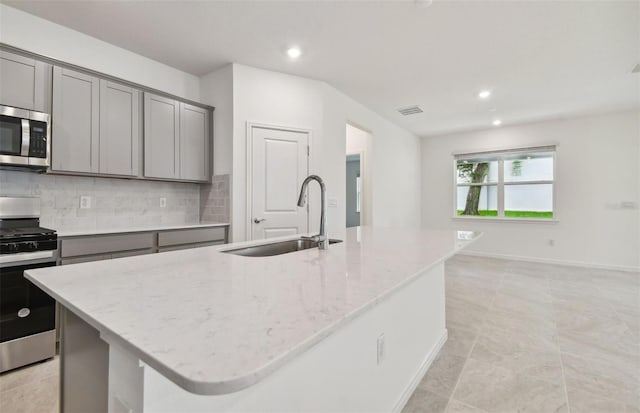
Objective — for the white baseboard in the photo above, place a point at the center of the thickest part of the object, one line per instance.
(551, 261)
(424, 367)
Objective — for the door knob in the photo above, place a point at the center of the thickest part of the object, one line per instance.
(257, 221)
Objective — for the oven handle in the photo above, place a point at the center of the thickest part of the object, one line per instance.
(25, 256)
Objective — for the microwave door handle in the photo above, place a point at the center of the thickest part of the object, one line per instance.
(26, 137)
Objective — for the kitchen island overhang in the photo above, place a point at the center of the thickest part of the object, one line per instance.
(209, 323)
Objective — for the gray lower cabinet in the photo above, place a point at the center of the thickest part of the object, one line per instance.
(161, 137)
(177, 140)
(191, 238)
(75, 122)
(99, 247)
(24, 82)
(85, 258)
(95, 125)
(87, 248)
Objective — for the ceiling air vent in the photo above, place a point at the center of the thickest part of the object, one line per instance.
(410, 110)
(636, 69)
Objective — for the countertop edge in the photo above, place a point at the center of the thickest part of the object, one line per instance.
(253, 377)
(114, 231)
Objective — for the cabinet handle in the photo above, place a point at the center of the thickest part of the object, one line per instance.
(257, 221)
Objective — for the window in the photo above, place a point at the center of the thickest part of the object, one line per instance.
(507, 184)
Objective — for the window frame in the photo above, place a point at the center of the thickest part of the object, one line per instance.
(500, 184)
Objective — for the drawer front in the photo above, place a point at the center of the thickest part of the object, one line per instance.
(104, 244)
(89, 258)
(191, 236)
(188, 246)
(131, 253)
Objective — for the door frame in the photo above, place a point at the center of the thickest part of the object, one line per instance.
(366, 173)
(249, 170)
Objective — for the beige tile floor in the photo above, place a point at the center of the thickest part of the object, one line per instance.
(523, 337)
(527, 337)
(32, 389)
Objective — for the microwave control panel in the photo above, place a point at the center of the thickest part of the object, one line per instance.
(38, 141)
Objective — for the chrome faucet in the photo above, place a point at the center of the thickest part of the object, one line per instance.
(322, 238)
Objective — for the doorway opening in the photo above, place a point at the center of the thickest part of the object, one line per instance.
(354, 199)
(358, 177)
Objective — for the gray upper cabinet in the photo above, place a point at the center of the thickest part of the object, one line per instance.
(75, 122)
(24, 82)
(120, 108)
(95, 125)
(194, 143)
(161, 137)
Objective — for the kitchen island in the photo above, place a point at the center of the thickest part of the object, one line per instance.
(354, 327)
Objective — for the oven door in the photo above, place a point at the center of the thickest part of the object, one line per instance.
(14, 136)
(24, 308)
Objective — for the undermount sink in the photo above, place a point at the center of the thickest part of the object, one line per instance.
(277, 248)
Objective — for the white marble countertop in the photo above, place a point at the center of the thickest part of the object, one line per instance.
(215, 323)
(104, 231)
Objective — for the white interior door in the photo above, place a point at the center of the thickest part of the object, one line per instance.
(279, 164)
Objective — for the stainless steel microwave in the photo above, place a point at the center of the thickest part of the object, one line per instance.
(24, 138)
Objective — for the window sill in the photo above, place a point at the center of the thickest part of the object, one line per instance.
(506, 219)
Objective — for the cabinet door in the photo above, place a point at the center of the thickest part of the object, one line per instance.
(161, 137)
(194, 143)
(24, 82)
(74, 131)
(119, 129)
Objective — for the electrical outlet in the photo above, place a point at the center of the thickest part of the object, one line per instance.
(163, 202)
(381, 349)
(85, 202)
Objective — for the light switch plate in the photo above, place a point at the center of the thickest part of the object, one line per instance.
(333, 203)
(163, 202)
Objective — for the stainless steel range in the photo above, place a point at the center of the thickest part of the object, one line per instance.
(27, 314)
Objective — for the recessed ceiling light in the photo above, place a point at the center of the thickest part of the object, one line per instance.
(484, 94)
(294, 52)
(497, 122)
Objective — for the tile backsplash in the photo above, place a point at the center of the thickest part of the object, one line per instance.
(215, 200)
(115, 203)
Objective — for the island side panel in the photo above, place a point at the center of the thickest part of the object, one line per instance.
(84, 366)
(340, 373)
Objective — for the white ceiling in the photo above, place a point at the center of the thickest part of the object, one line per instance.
(541, 59)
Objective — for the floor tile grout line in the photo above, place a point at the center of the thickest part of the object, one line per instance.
(618, 318)
(475, 341)
(548, 282)
(557, 341)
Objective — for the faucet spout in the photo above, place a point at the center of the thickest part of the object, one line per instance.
(323, 238)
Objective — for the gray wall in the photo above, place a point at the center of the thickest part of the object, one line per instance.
(353, 170)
